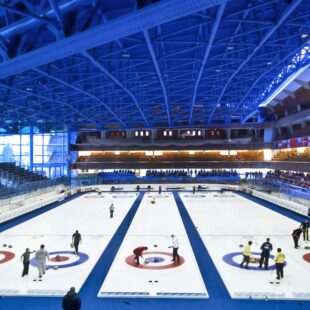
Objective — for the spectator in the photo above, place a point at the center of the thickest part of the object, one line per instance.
(71, 301)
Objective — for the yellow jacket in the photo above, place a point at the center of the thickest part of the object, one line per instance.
(247, 250)
(279, 259)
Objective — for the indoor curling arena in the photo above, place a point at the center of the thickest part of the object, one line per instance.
(154, 154)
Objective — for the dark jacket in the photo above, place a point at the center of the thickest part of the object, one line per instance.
(71, 301)
(266, 247)
(304, 225)
(138, 251)
(296, 233)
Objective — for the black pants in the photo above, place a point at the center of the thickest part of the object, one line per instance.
(246, 260)
(306, 234)
(137, 259)
(76, 247)
(296, 242)
(26, 268)
(264, 259)
(111, 214)
(175, 254)
(279, 268)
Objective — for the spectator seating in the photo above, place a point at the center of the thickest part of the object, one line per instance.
(17, 174)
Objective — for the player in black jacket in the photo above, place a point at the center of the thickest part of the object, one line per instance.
(264, 257)
(305, 229)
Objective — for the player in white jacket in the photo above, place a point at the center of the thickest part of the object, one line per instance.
(41, 257)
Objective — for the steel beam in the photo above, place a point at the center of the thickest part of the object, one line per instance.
(139, 20)
(273, 67)
(27, 24)
(57, 11)
(269, 33)
(50, 100)
(25, 14)
(117, 82)
(161, 81)
(41, 72)
(206, 56)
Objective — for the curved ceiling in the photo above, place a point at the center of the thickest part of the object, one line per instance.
(146, 64)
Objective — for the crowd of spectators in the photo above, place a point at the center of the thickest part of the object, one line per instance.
(117, 176)
(257, 175)
(288, 177)
(217, 173)
(167, 173)
(170, 175)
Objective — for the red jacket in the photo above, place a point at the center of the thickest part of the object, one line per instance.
(138, 251)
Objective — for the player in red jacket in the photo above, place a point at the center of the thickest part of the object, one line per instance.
(138, 253)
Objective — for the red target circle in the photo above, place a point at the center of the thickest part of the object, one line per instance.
(130, 260)
(306, 257)
(7, 256)
(60, 259)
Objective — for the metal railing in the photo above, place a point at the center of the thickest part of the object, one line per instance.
(284, 191)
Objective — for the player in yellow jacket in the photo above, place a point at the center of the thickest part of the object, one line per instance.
(246, 255)
(279, 259)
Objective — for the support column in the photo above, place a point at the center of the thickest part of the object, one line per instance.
(290, 128)
(20, 150)
(68, 157)
(203, 133)
(268, 135)
(228, 134)
(31, 149)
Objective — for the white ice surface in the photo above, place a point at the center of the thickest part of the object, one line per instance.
(152, 225)
(225, 222)
(54, 229)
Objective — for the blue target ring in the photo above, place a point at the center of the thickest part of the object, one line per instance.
(155, 259)
(82, 259)
(229, 259)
